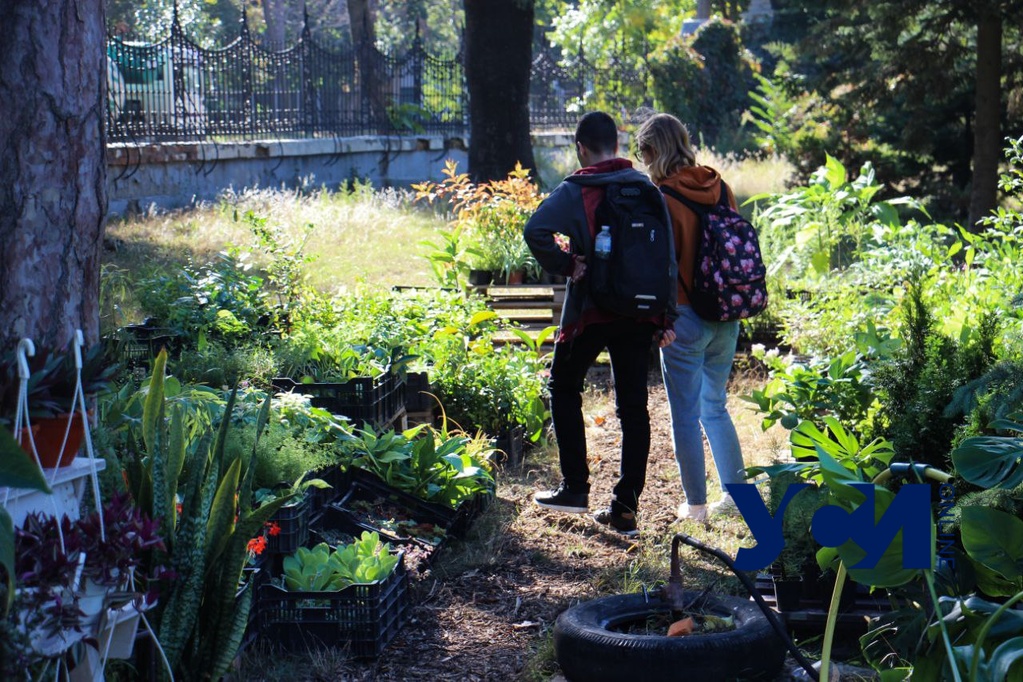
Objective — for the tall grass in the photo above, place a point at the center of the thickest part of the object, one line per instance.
(359, 236)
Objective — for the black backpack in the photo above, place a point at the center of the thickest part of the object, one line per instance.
(729, 277)
(636, 279)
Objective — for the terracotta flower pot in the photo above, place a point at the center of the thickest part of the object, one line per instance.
(48, 433)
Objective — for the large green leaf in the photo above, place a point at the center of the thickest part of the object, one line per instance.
(152, 410)
(889, 571)
(228, 638)
(990, 461)
(175, 461)
(1004, 657)
(222, 514)
(994, 539)
(17, 470)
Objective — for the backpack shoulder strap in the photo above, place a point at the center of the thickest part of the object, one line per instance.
(693, 206)
(687, 202)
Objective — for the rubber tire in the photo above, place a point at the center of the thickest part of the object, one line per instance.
(588, 651)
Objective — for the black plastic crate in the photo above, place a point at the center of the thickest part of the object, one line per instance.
(136, 345)
(334, 476)
(366, 485)
(362, 618)
(417, 386)
(339, 520)
(372, 401)
(293, 520)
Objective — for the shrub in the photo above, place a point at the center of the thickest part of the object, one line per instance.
(705, 81)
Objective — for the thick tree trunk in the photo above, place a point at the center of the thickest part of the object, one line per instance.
(52, 172)
(362, 19)
(498, 54)
(987, 128)
(275, 16)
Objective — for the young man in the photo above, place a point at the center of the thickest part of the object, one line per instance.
(587, 329)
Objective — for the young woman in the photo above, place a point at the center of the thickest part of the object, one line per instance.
(696, 366)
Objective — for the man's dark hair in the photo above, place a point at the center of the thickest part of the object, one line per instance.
(597, 132)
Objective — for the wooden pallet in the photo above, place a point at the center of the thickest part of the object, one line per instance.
(532, 307)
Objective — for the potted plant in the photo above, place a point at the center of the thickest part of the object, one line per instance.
(113, 551)
(353, 596)
(58, 429)
(799, 550)
(47, 575)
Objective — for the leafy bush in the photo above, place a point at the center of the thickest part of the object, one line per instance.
(814, 389)
(431, 464)
(222, 365)
(279, 456)
(917, 385)
(490, 215)
(717, 75)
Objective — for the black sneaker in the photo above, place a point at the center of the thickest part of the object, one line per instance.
(624, 523)
(563, 500)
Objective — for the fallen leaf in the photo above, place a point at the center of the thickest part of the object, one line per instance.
(598, 420)
(525, 624)
(681, 628)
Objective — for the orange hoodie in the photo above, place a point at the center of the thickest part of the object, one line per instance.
(702, 184)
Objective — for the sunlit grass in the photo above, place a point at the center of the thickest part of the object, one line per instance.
(749, 176)
(362, 236)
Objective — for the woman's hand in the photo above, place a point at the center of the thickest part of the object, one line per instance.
(665, 337)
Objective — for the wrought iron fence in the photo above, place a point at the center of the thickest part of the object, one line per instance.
(177, 91)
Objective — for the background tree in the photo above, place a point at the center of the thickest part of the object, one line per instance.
(926, 89)
(498, 54)
(52, 172)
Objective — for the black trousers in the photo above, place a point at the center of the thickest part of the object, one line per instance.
(628, 344)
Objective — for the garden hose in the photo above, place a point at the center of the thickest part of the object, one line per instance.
(921, 471)
(769, 613)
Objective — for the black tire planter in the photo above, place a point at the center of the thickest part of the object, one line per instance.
(588, 649)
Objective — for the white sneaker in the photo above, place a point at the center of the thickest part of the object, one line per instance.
(692, 512)
(726, 505)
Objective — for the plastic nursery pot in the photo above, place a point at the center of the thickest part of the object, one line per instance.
(48, 434)
(788, 593)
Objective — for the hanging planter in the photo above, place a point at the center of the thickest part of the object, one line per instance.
(48, 434)
(117, 635)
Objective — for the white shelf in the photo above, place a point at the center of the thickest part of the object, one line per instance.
(68, 485)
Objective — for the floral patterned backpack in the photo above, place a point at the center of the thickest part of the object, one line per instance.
(729, 280)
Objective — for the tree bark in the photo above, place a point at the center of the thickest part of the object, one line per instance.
(498, 54)
(52, 171)
(362, 19)
(987, 128)
(276, 20)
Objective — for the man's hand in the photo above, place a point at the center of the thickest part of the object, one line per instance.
(665, 337)
(579, 268)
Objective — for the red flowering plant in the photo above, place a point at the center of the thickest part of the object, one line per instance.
(257, 545)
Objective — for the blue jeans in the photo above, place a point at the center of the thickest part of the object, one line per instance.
(695, 369)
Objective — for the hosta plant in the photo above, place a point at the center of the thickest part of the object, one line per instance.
(321, 569)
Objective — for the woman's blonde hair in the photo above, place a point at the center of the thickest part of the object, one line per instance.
(668, 139)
